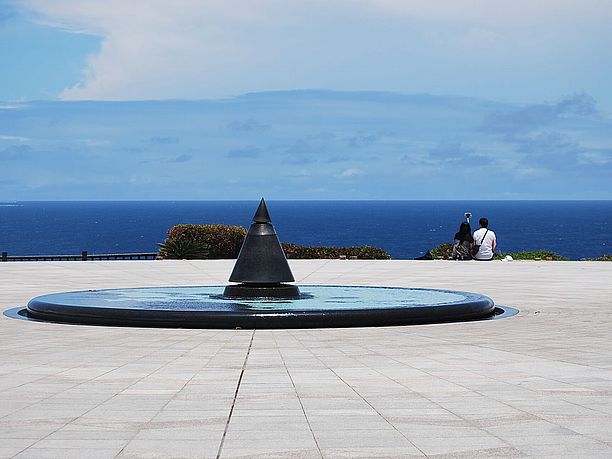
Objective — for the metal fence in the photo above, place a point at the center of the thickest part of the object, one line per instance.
(84, 256)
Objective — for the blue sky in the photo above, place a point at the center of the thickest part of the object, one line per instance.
(408, 99)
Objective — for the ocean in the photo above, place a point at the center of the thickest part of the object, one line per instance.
(405, 229)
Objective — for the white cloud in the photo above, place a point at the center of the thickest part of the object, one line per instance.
(14, 138)
(491, 11)
(531, 172)
(599, 158)
(11, 106)
(301, 174)
(159, 49)
(94, 142)
(140, 179)
(350, 173)
(156, 49)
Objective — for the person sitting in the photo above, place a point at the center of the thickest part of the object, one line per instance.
(485, 240)
(462, 245)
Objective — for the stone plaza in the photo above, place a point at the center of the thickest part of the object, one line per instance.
(538, 384)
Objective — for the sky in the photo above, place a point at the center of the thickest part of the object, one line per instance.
(335, 99)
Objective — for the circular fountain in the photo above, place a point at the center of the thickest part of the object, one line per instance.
(261, 298)
(207, 307)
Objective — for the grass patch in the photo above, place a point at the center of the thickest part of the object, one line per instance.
(536, 255)
(445, 252)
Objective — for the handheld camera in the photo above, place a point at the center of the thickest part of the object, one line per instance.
(468, 215)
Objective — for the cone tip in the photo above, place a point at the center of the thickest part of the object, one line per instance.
(262, 215)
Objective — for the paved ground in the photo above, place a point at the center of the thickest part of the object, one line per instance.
(538, 384)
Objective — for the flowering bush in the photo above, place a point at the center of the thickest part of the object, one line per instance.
(225, 241)
(293, 251)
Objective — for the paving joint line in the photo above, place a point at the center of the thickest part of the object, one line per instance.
(313, 272)
(297, 394)
(229, 417)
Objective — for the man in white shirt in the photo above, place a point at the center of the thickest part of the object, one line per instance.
(485, 238)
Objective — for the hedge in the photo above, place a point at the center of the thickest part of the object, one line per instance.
(293, 251)
(224, 242)
(602, 258)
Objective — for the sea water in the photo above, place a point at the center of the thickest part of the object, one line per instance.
(405, 229)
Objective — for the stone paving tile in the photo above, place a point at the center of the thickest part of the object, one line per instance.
(341, 421)
(13, 446)
(487, 453)
(449, 432)
(181, 432)
(76, 431)
(271, 412)
(27, 430)
(264, 422)
(200, 416)
(166, 448)
(567, 447)
(68, 453)
(263, 402)
(432, 446)
(326, 404)
(102, 414)
(269, 451)
(387, 452)
(204, 403)
(358, 438)
(55, 443)
(282, 446)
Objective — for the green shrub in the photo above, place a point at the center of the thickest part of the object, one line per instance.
(602, 258)
(183, 249)
(443, 251)
(371, 253)
(223, 241)
(536, 254)
(293, 251)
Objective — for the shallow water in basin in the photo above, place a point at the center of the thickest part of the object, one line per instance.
(314, 298)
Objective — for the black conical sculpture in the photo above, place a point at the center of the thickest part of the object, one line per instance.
(261, 267)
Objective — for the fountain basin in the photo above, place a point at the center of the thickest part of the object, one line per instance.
(317, 306)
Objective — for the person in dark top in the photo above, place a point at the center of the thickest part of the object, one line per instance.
(462, 245)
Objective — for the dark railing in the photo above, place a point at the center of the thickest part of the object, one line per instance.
(84, 256)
